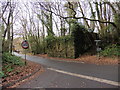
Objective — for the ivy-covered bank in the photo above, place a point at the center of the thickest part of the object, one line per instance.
(60, 46)
(70, 46)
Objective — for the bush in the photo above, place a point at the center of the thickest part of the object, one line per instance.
(9, 62)
(111, 51)
(1, 74)
(8, 58)
(37, 45)
(60, 46)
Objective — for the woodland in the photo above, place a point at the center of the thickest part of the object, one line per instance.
(63, 28)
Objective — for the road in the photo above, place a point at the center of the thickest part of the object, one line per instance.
(61, 74)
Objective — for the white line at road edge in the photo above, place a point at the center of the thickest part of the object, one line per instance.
(87, 77)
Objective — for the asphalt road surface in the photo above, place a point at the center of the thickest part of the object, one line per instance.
(62, 74)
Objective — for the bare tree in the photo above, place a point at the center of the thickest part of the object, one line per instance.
(7, 19)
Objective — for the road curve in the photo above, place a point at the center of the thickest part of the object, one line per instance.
(107, 73)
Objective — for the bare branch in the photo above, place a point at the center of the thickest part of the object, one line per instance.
(101, 21)
(3, 11)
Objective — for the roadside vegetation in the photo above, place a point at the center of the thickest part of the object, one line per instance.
(9, 63)
(112, 51)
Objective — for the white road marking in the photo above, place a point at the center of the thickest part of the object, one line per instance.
(87, 77)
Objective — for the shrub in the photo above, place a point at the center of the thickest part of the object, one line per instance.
(111, 51)
(9, 61)
(60, 46)
(1, 74)
(37, 45)
(8, 58)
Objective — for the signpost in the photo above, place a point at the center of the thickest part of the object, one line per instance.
(98, 49)
(25, 46)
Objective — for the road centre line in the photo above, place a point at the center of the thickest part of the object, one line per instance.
(87, 77)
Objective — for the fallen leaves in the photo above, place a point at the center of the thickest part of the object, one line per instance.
(93, 59)
(20, 71)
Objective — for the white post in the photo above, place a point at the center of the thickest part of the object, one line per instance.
(98, 49)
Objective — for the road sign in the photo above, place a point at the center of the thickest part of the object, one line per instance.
(25, 44)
